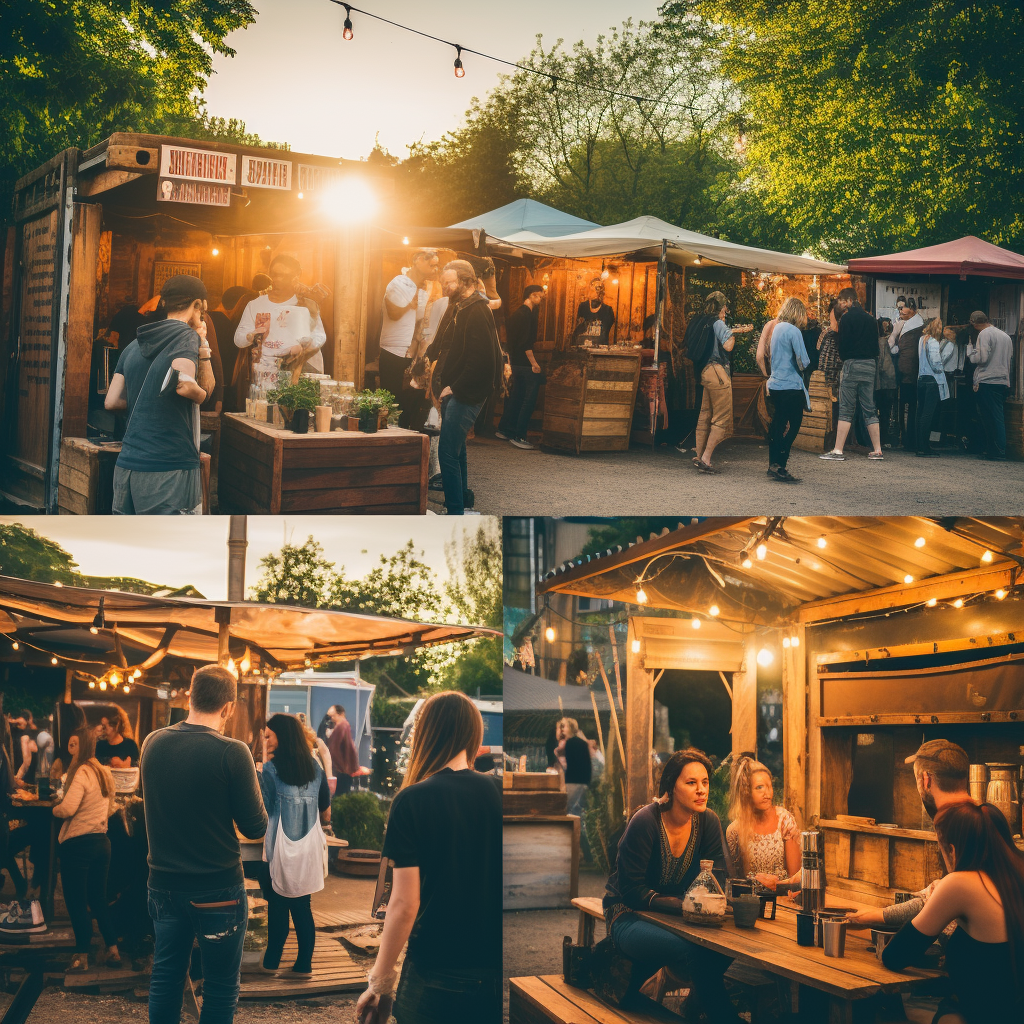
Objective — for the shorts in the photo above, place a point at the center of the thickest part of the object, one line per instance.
(176, 492)
(857, 384)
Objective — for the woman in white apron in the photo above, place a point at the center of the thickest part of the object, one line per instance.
(298, 800)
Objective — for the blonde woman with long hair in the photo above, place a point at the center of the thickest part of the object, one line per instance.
(763, 838)
(85, 849)
(444, 839)
(786, 386)
(932, 386)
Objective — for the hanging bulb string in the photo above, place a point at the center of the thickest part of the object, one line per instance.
(553, 79)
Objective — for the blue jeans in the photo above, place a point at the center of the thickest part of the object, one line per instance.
(457, 420)
(217, 918)
(990, 411)
(927, 403)
(519, 406)
(652, 947)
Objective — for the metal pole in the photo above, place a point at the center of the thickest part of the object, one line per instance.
(237, 543)
(659, 305)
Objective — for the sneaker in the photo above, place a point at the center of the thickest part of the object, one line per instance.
(833, 456)
(785, 476)
(501, 436)
(436, 483)
(468, 498)
(705, 468)
(523, 443)
(876, 456)
(23, 920)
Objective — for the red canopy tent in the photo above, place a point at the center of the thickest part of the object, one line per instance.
(965, 256)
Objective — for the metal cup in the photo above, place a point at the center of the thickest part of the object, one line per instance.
(834, 937)
(882, 939)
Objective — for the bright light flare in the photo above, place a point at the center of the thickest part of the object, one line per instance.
(349, 201)
(549, 635)
(765, 657)
(635, 646)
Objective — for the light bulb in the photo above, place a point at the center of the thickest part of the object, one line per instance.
(460, 71)
(908, 578)
(115, 678)
(347, 34)
(958, 603)
(605, 275)
(713, 610)
(308, 663)
(615, 280)
(765, 657)
(931, 602)
(695, 623)
(641, 595)
(245, 664)
(15, 645)
(795, 641)
(549, 635)
(747, 563)
(987, 557)
(1000, 594)
(174, 693)
(53, 661)
(93, 630)
(127, 688)
(216, 252)
(822, 543)
(635, 646)
(696, 262)
(57, 583)
(103, 684)
(405, 241)
(919, 543)
(137, 674)
(762, 551)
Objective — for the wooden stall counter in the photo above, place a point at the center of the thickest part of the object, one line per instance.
(589, 399)
(264, 469)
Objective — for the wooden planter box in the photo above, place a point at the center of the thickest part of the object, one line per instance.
(86, 479)
(540, 861)
(267, 470)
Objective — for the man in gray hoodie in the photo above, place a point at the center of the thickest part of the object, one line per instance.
(161, 379)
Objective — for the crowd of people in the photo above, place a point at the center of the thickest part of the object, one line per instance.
(976, 909)
(202, 790)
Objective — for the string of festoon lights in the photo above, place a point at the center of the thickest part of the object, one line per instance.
(348, 33)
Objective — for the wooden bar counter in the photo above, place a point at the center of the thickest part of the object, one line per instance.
(264, 469)
(589, 399)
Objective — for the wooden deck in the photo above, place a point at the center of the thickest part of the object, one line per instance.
(334, 970)
(329, 920)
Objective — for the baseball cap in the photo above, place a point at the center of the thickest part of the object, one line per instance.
(183, 286)
(943, 758)
(978, 317)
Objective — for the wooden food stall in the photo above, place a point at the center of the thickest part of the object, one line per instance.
(96, 233)
(889, 632)
(270, 470)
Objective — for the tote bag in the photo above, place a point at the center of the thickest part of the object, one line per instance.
(298, 866)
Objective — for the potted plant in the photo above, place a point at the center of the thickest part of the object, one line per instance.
(374, 406)
(296, 402)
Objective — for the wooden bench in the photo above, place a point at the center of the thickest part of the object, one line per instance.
(548, 1000)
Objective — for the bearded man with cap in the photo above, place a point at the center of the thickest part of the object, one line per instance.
(161, 379)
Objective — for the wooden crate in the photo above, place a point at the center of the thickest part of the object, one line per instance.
(533, 802)
(540, 861)
(817, 423)
(86, 477)
(549, 782)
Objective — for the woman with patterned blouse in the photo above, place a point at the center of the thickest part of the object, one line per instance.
(659, 856)
(763, 839)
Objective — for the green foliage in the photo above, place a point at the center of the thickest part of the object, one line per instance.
(359, 818)
(875, 125)
(625, 531)
(303, 394)
(30, 556)
(39, 696)
(370, 401)
(74, 71)
(299, 574)
(747, 305)
(389, 712)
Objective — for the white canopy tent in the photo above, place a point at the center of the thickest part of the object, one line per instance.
(644, 236)
(526, 216)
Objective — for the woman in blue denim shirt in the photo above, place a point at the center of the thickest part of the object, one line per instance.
(297, 798)
(786, 387)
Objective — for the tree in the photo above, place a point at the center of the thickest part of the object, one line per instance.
(626, 531)
(74, 71)
(874, 125)
(28, 555)
(299, 575)
(400, 586)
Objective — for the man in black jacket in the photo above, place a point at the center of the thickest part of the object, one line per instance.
(858, 349)
(527, 375)
(198, 786)
(469, 375)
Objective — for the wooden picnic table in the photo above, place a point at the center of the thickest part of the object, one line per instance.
(771, 946)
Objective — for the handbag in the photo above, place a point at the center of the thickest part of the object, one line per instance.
(299, 866)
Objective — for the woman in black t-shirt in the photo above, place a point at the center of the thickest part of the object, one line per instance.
(114, 744)
(444, 838)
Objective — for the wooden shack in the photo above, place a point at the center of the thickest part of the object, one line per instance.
(890, 632)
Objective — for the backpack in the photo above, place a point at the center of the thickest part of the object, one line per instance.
(699, 340)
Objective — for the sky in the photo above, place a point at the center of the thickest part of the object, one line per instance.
(294, 79)
(176, 551)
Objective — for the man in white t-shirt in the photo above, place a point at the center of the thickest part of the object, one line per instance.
(282, 325)
(405, 307)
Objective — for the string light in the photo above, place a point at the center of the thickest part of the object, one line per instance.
(762, 551)
(216, 252)
(549, 635)
(103, 684)
(822, 542)
(347, 34)
(714, 610)
(92, 684)
(931, 602)
(765, 657)
(695, 622)
(635, 646)
(958, 603)
(460, 71)
(405, 241)
(93, 630)
(908, 578)
(641, 595)
(786, 642)
(795, 641)
(747, 563)
(919, 543)
(53, 661)
(987, 557)
(115, 678)
(14, 646)
(300, 196)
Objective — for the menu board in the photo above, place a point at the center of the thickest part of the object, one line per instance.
(264, 172)
(198, 193)
(198, 164)
(891, 295)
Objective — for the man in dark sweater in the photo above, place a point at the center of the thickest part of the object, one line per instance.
(858, 349)
(527, 376)
(198, 786)
(471, 372)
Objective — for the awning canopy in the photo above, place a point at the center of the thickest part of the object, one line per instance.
(58, 619)
(966, 257)
(814, 567)
(539, 219)
(643, 236)
(525, 692)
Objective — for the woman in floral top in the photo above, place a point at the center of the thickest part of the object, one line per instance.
(763, 839)
(659, 856)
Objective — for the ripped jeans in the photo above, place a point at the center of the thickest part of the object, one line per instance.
(217, 918)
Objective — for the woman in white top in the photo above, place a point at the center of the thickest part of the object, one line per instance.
(763, 838)
(85, 849)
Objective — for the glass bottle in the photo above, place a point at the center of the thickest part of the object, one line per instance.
(704, 900)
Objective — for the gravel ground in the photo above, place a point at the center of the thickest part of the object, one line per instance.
(509, 481)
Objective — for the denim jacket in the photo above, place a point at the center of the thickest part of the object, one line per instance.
(929, 357)
(789, 359)
(295, 806)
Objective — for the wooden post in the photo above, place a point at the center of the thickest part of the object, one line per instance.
(615, 663)
(813, 773)
(68, 676)
(744, 699)
(597, 722)
(351, 264)
(659, 305)
(615, 717)
(639, 725)
(794, 726)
